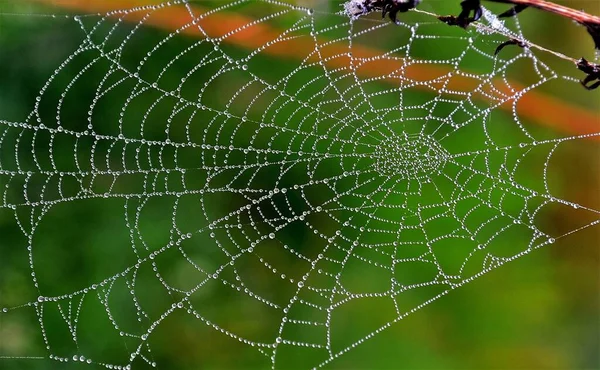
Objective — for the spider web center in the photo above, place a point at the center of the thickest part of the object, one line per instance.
(410, 156)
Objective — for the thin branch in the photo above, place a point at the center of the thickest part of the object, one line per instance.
(485, 28)
(356, 8)
(590, 22)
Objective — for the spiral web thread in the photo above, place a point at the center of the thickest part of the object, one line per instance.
(373, 173)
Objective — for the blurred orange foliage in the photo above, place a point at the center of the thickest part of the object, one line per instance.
(534, 106)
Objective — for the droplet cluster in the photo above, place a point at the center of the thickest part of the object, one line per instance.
(340, 173)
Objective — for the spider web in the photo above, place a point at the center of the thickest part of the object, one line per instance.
(351, 177)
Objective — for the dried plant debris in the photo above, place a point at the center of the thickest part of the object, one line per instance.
(590, 22)
(356, 8)
(472, 11)
(593, 74)
(517, 42)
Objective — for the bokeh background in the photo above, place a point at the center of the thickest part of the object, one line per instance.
(539, 312)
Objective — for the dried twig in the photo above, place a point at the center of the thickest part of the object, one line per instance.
(590, 22)
(593, 74)
(356, 8)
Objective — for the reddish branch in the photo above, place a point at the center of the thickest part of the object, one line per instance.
(590, 22)
(392, 7)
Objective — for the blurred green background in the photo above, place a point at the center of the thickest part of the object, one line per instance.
(538, 312)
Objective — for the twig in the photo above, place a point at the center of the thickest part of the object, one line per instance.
(591, 22)
(485, 28)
